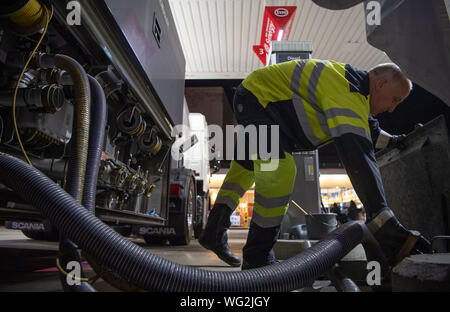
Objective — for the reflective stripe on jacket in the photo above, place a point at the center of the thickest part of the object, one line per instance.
(316, 102)
(327, 98)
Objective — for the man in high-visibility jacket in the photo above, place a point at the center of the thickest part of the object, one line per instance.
(313, 102)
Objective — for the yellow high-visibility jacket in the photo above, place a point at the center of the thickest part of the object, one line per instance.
(316, 102)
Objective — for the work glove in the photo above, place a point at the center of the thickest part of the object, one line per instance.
(396, 141)
(393, 238)
(386, 140)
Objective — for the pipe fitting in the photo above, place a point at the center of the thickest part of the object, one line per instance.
(43, 60)
(141, 187)
(47, 99)
(149, 190)
(150, 142)
(55, 76)
(132, 181)
(131, 122)
(109, 82)
(118, 176)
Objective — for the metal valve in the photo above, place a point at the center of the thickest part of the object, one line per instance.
(118, 176)
(132, 181)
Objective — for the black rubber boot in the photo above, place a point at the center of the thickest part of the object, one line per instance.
(215, 237)
(258, 251)
(392, 236)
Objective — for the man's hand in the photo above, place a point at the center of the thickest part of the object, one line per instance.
(396, 141)
(386, 140)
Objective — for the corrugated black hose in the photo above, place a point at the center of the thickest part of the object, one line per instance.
(80, 134)
(95, 147)
(68, 251)
(151, 272)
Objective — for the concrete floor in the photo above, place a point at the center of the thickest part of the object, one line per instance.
(18, 254)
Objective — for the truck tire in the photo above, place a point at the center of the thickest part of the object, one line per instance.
(203, 205)
(198, 226)
(184, 222)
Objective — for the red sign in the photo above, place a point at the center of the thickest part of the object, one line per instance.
(260, 51)
(277, 24)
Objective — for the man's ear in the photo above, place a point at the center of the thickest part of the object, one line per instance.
(380, 83)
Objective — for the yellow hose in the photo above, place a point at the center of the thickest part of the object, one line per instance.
(29, 16)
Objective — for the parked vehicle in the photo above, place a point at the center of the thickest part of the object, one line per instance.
(50, 117)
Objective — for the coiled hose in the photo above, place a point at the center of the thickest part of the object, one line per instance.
(151, 272)
(95, 147)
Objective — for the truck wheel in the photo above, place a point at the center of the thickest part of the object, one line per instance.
(186, 218)
(198, 227)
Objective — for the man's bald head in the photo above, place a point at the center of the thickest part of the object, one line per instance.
(388, 87)
(392, 72)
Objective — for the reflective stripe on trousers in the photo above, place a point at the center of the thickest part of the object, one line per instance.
(273, 189)
(274, 182)
(237, 181)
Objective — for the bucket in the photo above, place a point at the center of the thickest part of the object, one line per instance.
(320, 224)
